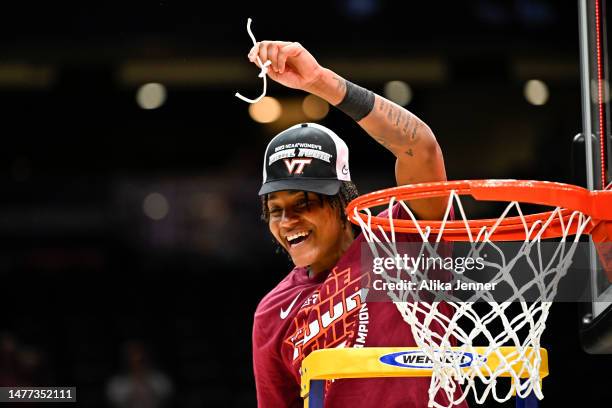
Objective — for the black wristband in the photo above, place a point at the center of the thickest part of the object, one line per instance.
(358, 102)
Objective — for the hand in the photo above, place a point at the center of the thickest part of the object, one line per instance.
(291, 64)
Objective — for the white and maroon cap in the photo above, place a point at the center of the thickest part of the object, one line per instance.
(307, 157)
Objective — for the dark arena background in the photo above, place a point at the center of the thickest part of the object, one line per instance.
(130, 221)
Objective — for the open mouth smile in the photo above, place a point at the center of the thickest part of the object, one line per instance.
(297, 238)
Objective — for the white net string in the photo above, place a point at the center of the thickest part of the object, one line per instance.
(262, 74)
(448, 328)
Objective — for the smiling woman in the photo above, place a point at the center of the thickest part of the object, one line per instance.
(306, 187)
(308, 227)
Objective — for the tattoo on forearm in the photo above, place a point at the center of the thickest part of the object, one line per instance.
(407, 124)
(340, 84)
(401, 119)
(406, 118)
(390, 114)
(414, 137)
(388, 110)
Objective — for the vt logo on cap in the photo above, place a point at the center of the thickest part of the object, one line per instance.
(307, 157)
(291, 165)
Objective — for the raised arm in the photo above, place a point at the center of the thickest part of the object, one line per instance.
(418, 155)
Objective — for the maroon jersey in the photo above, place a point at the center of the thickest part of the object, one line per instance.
(302, 314)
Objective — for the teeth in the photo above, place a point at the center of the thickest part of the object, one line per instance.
(297, 235)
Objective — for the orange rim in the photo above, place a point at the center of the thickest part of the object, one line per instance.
(570, 198)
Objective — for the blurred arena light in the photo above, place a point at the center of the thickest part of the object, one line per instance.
(27, 75)
(151, 96)
(314, 107)
(536, 92)
(155, 206)
(398, 92)
(267, 110)
(359, 9)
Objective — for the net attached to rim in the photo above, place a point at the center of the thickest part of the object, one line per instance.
(481, 325)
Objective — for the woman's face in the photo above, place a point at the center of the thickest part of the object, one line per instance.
(310, 231)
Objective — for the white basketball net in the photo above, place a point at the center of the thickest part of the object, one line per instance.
(483, 319)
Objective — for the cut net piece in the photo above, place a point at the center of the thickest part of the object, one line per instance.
(447, 328)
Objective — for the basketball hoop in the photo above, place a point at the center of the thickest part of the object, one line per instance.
(514, 321)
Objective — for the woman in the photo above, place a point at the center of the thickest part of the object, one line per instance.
(306, 186)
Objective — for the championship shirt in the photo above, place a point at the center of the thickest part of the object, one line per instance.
(303, 313)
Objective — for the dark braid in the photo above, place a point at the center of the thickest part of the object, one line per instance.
(347, 193)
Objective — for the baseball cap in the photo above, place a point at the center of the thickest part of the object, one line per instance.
(307, 157)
